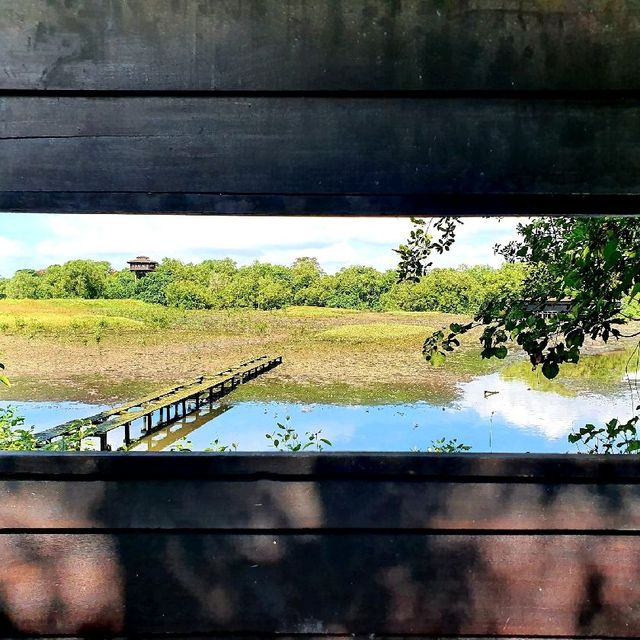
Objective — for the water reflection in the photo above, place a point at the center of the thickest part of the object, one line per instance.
(44, 415)
(551, 414)
(511, 417)
(509, 411)
(179, 431)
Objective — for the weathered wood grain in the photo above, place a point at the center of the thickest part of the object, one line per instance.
(375, 45)
(255, 505)
(354, 107)
(499, 585)
(309, 147)
(322, 545)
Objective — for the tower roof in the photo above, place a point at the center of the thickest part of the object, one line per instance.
(142, 259)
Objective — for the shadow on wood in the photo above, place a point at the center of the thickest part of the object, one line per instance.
(319, 545)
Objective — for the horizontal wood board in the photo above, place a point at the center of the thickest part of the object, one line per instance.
(305, 45)
(319, 155)
(149, 545)
(469, 467)
(433, 585)
(343, 107)
(297, 504)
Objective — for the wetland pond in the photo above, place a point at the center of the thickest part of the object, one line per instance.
(511, 409)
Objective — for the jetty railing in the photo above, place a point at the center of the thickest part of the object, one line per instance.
(163, 408)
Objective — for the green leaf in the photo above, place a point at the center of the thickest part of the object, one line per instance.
(4, 380)
(437, 358)
(550, 370)
(611, 253)
(501, 352)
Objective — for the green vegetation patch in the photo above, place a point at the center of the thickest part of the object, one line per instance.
(595, 372)
(318, 312)
(343, 394)
(356, 333)
(50, 324)
(63, 316)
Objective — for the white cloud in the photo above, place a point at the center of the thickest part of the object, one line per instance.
(12, 248)
(336, 242)
(550, 414)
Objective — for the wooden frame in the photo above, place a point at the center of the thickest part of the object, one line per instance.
(339, 107)
(354, 107)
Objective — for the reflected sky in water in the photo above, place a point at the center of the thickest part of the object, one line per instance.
(44, 415)
(515, 419)
(490, 414)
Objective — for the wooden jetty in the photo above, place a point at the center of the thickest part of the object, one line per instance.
(162, 438)
(164, 408)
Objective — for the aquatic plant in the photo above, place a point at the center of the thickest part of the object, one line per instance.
(286, 438)
(613, 437)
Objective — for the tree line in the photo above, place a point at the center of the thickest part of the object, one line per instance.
(222, 284)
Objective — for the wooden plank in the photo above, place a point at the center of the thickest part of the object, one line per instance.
(457, 204)
(502, 585)
(373, 45)
(316, 505)
(410, 467)
(325, 146)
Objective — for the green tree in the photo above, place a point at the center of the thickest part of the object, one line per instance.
(120, 285)
(152, 288)
(77, 279)
(24, 284)
(592, 262)
(273, 294)
(186, 294)
(357, 287)
(305, 272)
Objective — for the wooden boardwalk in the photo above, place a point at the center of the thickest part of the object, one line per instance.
(161, 409)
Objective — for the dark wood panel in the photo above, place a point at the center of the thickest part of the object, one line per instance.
(307, 45)
(323, 504)
(582, 586)
(317, 205)
(409, 467)
(320, 146)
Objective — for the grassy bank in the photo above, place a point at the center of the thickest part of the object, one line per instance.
(105, 349)
(111, 350)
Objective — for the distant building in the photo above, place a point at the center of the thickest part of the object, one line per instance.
(551, 307)
(554, 306)
(141, 266)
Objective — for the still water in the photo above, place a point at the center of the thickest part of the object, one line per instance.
(497, 413)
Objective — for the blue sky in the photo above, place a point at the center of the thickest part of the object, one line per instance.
(38, 240)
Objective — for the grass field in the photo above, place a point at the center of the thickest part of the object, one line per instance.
(101, 349)
(110, 350)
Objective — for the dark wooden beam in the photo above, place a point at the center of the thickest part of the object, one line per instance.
(353, 45)
(343, 107)
(319, 546)
(320, 154)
